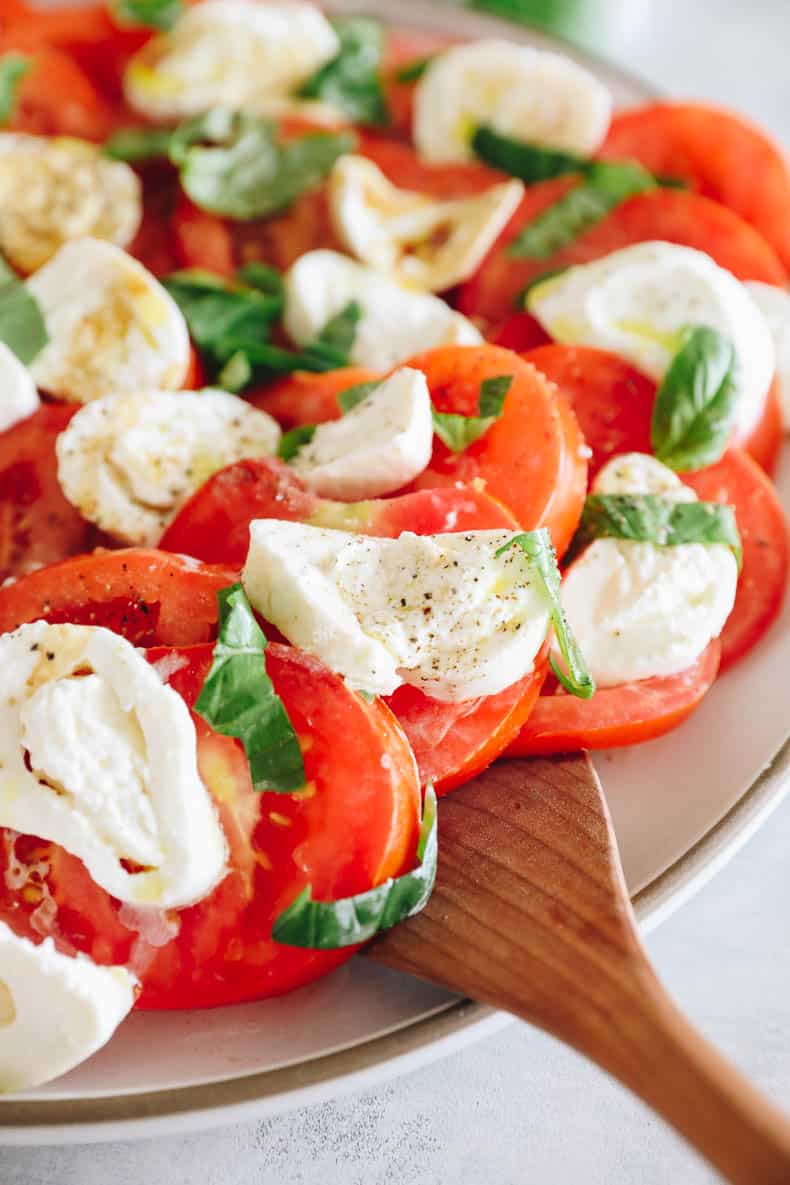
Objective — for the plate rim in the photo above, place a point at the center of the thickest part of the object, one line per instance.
(462, 1022)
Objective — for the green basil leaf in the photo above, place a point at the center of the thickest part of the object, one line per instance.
(493, 393)
(650, 518)
(606, 184)
(530, 162)
(263, 278)
(457, 432)
(696, 402)
(232, 163)
(13, 68)
(153, 14)
(238, 698)
(291, 442)
(413, 71)
(22, 325)
(339, 333)
(349, 398)
(538, 548)
(328, 925)
(138, 144)
(351, 82)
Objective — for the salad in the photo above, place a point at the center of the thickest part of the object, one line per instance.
(372, 407)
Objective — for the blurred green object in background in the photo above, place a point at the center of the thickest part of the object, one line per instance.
(604, 25)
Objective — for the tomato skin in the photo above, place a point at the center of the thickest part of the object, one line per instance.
(202, 240)
(764, 442)
(530, 458)
(307, 398)
(520, 333)
(403, 47)
(56, 98)
(149, 597)
(400, 164)
(720, 154)
(739, 481)
(616, 716)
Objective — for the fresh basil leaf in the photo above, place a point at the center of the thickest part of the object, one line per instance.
(351, 81)
(232, 163)
(138, 144)
(349, 398)
(538, 549)
(291, 442)
(263, 278)
(606, 185)
(238, 698)
(696, 402)
(493, 393)
(329, 925)
(22, 325)
(338, 335)
(153, 14)
(650, 518)
(413, 71)
(13, 68)
(530, 162)
(457, 432)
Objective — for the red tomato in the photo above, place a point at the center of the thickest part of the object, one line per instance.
(282, 238)
(154, 244)
(55, 98)
(153, 599)
(520, 332)
(354, 825)
(307, 398)
(37, 524)
(530, 458)
(402, 48)
(202, 240)
(765, 439)
(404, 168)
(737, 480)
(616, 716)
(673, 215)
(720, 154)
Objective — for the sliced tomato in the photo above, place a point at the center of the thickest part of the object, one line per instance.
(616, 716)
(55, 98)
(765, 439)
(154, 244)
(520, 332)
(214, 525)
(306, 398)
(674, 215)
(354, 825)
(151, 598)
(720, 154)
(401, 164)
(739, 481)
(37, 524)
(202, 240)
(404, 47)
(530, 458)
(281, 239)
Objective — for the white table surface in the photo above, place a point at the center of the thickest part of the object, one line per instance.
(518, 1108)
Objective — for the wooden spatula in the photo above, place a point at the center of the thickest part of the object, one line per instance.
(531, 914)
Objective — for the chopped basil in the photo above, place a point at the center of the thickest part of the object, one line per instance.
(606, 184)
(650, 518)
(138, 144)
(232, 163)
(458, 432)
(530, 162)
(13, 68)
(695, 404)
(238, 698)
(413, 71)
(538, 549)
(153, 14)
(291, 442)
(22, 326)
(351, 81)
(349, 398)
(328, 925)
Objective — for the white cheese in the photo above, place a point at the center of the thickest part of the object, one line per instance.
(636, 302)
(522, 92)
(419, 240)
(55, 1010)
(441, 612)
(129, 461)
(396, 322)
(111, 325)
(639, 610)
(251, 57)
(99, 756)
(774, 304)
(377, 447)
(18, 394)
(55, 190)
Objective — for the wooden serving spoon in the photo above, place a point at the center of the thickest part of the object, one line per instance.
(531, 914)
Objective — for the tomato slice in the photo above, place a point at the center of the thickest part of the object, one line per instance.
(530, 458)
(354, 825)
(403, 47)
(202, 240)
(520, 333)
(56, 98)
(616, 716)
(674, 215)
(401, 164)
(720, 154)
(149, 597)
(307, 398)
(739, 481)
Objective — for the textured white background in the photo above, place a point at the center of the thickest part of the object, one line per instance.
(518, 1109)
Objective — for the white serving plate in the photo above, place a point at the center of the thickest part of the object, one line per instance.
(682, 806)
